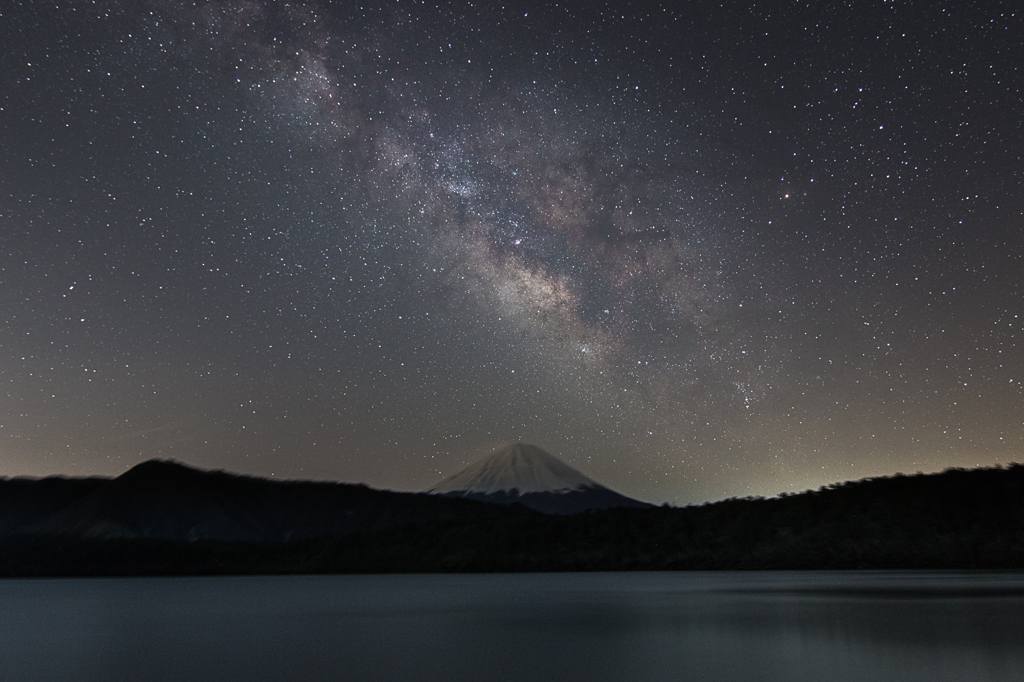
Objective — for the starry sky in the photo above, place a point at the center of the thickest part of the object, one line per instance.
(696, 251)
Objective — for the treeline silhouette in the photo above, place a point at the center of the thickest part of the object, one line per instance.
(168, 501)
(957, 519)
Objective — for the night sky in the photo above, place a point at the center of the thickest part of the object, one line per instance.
(695, 251)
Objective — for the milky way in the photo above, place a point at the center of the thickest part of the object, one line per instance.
(695, 253)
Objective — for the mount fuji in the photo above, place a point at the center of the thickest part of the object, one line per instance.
(528, 475)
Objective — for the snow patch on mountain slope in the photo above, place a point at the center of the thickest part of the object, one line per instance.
(524, 468)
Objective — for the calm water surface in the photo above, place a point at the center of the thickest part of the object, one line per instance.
(622, 626)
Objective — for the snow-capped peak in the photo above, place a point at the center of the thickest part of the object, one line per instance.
(524, 468)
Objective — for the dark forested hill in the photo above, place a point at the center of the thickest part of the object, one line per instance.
(955, 519)
(164, 500)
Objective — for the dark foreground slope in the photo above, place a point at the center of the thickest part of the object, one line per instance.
(170, 502)
(956, 519)
(588, 498)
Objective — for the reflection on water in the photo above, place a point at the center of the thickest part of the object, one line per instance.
(629, 626)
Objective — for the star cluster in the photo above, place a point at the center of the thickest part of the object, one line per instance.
(696, 252)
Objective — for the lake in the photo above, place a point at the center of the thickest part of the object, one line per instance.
(634, 627)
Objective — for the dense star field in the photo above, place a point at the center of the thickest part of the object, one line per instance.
(695, 251)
